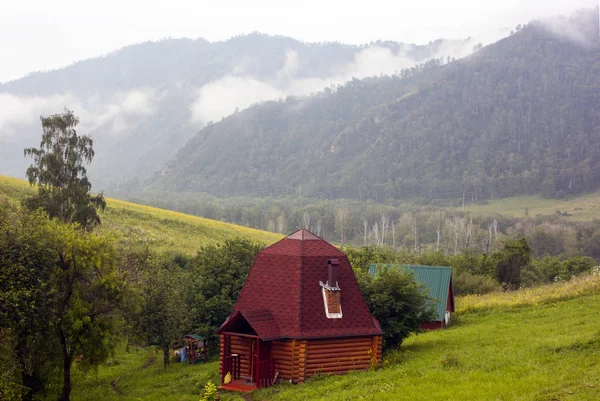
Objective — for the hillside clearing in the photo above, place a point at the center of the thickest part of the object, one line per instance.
(544, 350)
(580, 208)
(163, 230)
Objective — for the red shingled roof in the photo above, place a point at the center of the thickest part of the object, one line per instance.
(284, 280)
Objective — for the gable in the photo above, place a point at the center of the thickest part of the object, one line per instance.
(258, 322)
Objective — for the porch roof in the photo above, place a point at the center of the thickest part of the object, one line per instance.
(261, 321)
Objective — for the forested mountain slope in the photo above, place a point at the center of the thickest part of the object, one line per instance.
(519, 116)
(141, 103)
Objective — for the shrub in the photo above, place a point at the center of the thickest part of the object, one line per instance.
(210, 392)
(468, 283)
(399, 303)
(577, 265)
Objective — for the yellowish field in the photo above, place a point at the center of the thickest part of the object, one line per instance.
(576, 287)
(163, 230)
(581, 208)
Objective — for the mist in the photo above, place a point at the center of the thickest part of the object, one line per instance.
(114, 114)
(223, 96)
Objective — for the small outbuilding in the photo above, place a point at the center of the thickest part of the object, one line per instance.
(300, 312)
(195, 348)
(438, 282)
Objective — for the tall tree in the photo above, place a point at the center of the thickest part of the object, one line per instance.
(26, 263)
(162, 311)
(515, 255)
(88, 288)
(59, 291)
(217, 274)
(58, 171)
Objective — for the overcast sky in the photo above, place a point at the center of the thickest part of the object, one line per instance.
(42, 34)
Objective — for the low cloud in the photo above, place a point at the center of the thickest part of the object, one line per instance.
(582, 28)
(110, 115)
(220, 98)
(238, 90)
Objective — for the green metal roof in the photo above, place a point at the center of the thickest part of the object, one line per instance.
(436, 279)
(195, 337)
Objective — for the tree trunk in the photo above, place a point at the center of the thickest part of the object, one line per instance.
(166, 359)
(66, 390)
(26, 378)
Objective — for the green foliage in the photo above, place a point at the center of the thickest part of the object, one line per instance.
(60, 289)
(160, 317)
(26, 263)
(361, 258)
(514, 255)
(210, 392)
(57, 170)
(577, 265)
(398, 302)
(465, 282)
(216, 276)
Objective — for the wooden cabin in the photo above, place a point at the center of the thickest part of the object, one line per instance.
(300, 312)
(438, 283)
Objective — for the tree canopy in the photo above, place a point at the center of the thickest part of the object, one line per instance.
(58, 171)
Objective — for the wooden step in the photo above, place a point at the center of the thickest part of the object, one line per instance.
(239, 387)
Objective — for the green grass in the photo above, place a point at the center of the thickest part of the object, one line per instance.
(160, 229)
(139, 375)
(549, 352)
(580, 208)
(542, 348)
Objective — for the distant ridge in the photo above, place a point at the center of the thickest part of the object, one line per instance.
(521, 116)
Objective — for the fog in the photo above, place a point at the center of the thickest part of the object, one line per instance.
(223, 96)
(40, 35)
(114, 113)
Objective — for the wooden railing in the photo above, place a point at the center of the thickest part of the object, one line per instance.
(266, 373)
(231, 364)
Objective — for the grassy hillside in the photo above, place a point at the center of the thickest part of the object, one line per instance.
(580, 208)
(163, 230)
(537, 349)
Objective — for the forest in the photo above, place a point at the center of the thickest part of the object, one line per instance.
(417, 229)
(517, 117)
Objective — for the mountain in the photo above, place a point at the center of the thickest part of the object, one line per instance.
(143, 102)
(520, 116)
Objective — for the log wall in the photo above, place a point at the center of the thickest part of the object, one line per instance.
(297, 360)
(339, 355)
(238, 345)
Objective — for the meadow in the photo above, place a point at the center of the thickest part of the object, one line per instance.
(159, 229)
(545, 346)
(580, 208)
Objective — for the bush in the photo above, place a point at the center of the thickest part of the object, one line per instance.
(399, 303)
(468, 283)
(577, 265)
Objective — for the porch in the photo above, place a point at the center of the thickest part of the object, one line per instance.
(246, 343)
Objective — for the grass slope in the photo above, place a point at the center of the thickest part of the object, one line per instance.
(581, 208)
(161, 229)
(541, 348)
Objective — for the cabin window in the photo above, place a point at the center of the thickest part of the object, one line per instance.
(332, 294)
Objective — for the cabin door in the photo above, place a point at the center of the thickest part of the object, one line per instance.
(262, 365)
